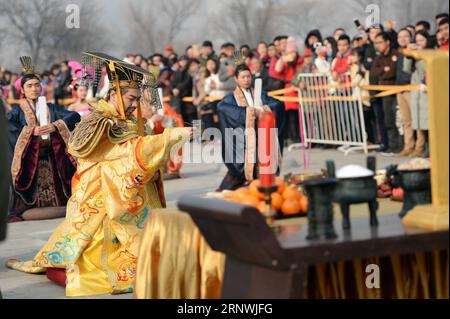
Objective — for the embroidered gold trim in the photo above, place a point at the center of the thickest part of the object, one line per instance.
(63, 130)
(89, 131)
(19, 149)
(24, 137)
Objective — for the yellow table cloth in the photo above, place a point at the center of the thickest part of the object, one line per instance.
(174, 261)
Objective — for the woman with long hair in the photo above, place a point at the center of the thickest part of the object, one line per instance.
(419, 99)
(213, 87)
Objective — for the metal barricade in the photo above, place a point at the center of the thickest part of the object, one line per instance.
(331, 113)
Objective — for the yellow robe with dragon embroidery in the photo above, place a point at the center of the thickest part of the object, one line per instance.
(98, 241)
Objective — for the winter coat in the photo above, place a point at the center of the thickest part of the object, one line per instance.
(384, 68)
(286, 75)
(218, 91)
(419, 99)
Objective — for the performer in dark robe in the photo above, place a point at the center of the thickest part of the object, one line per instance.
(41, 168)
(236, 112)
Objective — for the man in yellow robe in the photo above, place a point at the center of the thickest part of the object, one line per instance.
(117, 181)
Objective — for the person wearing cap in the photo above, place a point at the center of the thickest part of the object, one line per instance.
(357, 41)
(117, 182)
(227, 67)
(306, 67)
(308, 62)
(168, 51)
(41, 170)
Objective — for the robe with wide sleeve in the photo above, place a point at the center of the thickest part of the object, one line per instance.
(112, 193)
(239, 150)
(41, 170)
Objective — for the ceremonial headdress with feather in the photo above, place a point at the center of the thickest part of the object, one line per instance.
(239, 61)
(29, 70)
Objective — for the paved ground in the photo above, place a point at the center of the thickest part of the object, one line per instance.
(25, 238)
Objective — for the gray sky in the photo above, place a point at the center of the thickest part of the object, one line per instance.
(329, 14)
(323, 14)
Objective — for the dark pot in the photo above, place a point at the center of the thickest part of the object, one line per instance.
(416, 185)
(356, 191)
(320, 208)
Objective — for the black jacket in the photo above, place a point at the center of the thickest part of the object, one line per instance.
(62, 81)
(182, 81)
(264, 76)
(384, 68)
(402, 78)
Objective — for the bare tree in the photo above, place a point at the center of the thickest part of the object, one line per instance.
(39, 26)
(142, 27)
(159, 22)
(178, 12)
(30, 21)
(3, 33)
(301, 16)
(250, 21)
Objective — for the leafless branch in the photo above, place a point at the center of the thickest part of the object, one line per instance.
(40, 26)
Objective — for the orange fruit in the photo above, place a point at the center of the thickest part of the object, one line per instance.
(290, 206)
(277, 201)
(304, 204)
(250, 200)
(292, 193)
(261, 206)
(240, 194)
(253, 188)
(281, 184)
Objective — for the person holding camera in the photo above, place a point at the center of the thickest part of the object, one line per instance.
(227, 67)
(285, 69)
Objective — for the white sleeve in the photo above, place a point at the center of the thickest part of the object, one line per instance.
(207, 85)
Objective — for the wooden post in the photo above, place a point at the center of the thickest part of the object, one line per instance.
(435, 216)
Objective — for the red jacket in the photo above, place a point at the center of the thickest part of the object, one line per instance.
(341, 64)
(286, 75)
